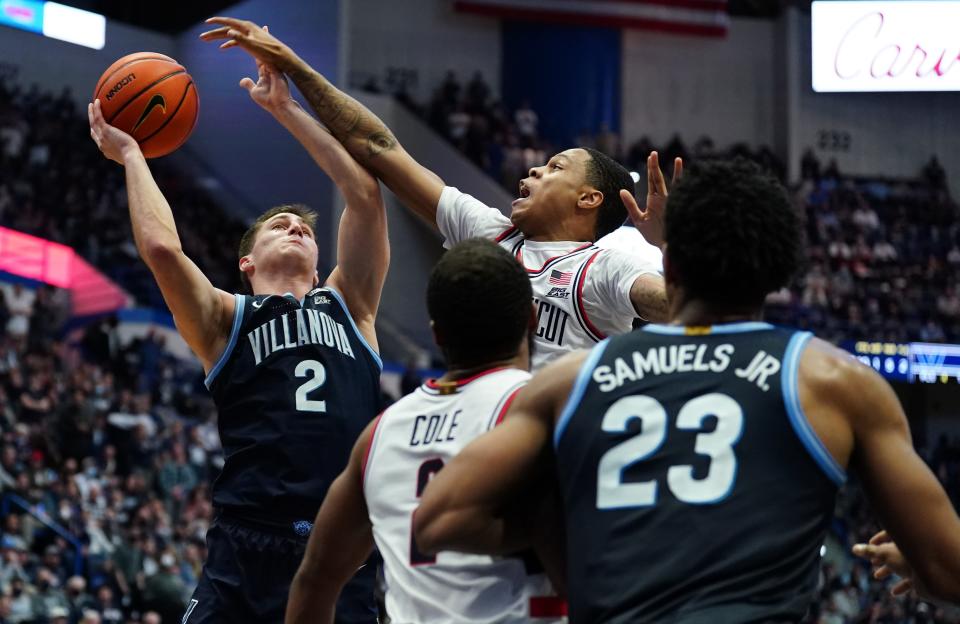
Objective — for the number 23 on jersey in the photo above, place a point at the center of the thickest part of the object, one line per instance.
(614, 493)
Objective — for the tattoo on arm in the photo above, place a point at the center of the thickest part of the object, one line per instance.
(360, 131)
(650, 301)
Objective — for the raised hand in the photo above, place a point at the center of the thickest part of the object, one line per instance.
(115, 144)
(258, 42)
(650, 220)
(271, 90)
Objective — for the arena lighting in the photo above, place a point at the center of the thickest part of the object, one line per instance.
(56, 21)
(886, 46)
(39, 260)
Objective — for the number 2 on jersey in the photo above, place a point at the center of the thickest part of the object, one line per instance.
(426, 472)
(613, 493)
(317, 375)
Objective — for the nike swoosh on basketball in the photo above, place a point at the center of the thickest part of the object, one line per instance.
(155, 101)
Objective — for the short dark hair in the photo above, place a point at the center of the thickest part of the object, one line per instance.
(250, 236)
(609, 177)
(732, 234)
(480, 301)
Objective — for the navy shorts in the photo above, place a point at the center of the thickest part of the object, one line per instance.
(247, 577)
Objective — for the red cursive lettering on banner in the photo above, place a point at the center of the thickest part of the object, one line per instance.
(861, 49)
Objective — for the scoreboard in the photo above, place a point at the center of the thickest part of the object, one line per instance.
(909, 362)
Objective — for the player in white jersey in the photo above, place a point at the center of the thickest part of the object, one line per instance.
(579, 196)
(628, 238)
(581, 292)
(479, 304)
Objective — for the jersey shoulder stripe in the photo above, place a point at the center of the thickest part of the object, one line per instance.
(239, 301)
(500, 411)
(353, 323)
(507, 234)
(580, 311)
(798, 420)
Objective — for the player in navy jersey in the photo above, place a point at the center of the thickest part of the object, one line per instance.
(293, 368)
(699, 461)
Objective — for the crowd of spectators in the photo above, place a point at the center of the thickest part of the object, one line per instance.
(55, 184)
(507, 143)
(504, 143)
(883, 258)
(105, 463)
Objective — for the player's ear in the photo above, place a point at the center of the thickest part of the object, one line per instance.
(589, 199)
(246, 265)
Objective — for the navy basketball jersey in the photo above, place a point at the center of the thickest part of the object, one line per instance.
(294, 388)
(695, 490)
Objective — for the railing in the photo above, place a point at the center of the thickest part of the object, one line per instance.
(44, 519)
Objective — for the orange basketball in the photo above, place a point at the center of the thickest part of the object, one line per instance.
(151, 97)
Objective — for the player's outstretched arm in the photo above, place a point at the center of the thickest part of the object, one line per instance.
(905, 494)
(203, 314)
(364, 135)
(340, 542)
(363, 252)
(466, 506)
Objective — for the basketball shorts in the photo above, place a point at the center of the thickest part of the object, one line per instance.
(248, 573)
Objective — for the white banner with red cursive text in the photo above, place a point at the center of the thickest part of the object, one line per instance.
(886, 46)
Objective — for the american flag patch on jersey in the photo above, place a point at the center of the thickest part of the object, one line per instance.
(560, 278)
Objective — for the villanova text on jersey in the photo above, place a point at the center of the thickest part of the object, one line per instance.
(312, 328)
(294, 389)
(695, 490)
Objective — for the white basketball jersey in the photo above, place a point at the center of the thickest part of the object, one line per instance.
(558, 280)
(413, 440)
(581, 291)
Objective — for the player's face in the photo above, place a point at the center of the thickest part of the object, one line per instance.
(286, 238)
(550, 192)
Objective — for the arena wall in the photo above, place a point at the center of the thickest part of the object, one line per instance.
(421, 39)
(694, 86)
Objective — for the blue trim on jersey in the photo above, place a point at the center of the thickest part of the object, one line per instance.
(723, 328)
(791, 400)
(234, 334)
(579, 388)
(343, 304)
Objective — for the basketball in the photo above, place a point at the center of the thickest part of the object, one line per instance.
(151, 97)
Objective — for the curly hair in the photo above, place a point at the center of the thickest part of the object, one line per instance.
(732, 234)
